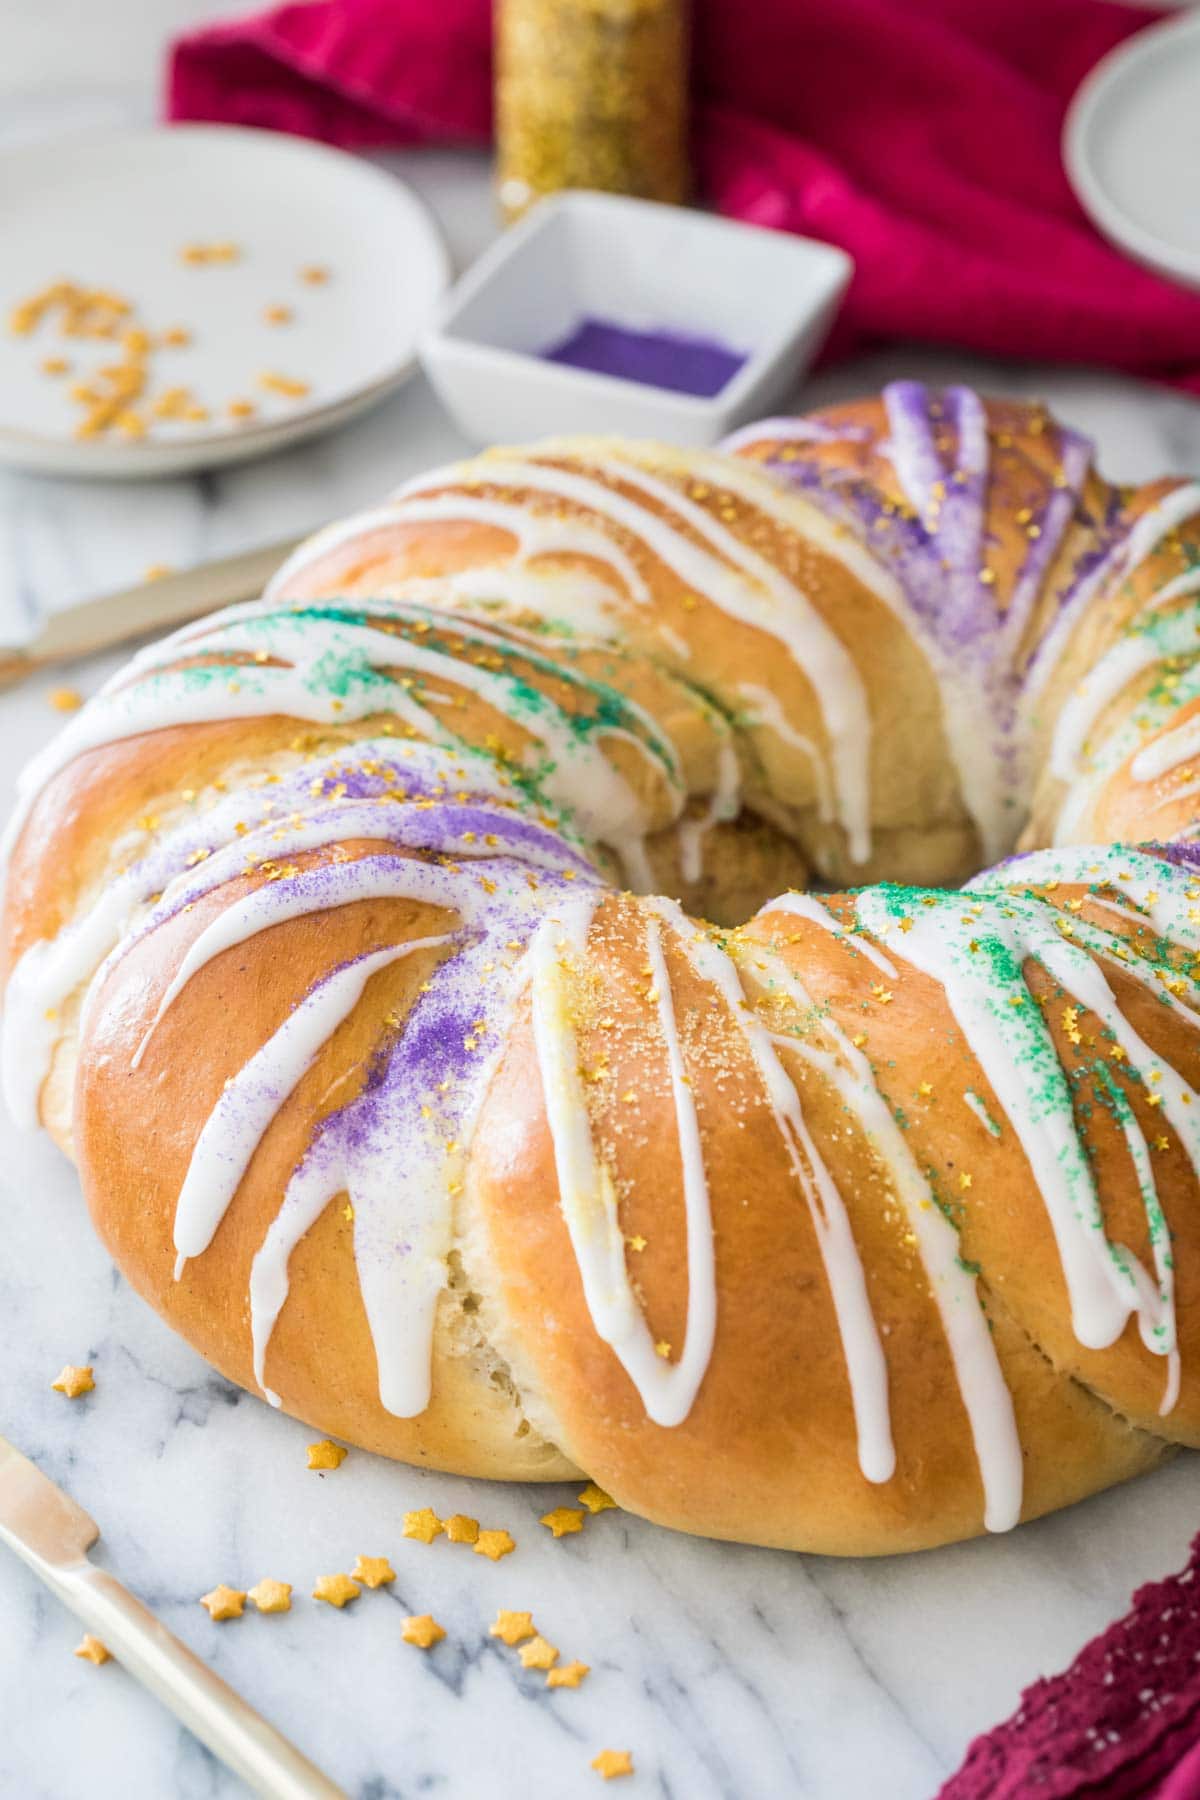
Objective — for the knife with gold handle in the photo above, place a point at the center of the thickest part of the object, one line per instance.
(108, 619)
(53, 1535)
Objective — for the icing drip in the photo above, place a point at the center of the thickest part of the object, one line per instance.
(586, 1193)
(865, 1366)
(978, 957)
(945, 594)
(977, 1368)
(735, 579)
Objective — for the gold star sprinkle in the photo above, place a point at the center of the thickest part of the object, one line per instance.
(925, 1088)
(493, 1545)
(881, 994)
(272, 1596)
(424, 1525)
(65, 699)
(74, 1380)
(224, 1603)
(373, 1571)
(564, 1520)
(595, 1499)
(422, 1630)
(637, 1244)
(336, 1590)
(92, 1650)
(567, 1675)
(859, 1039)
(326, 1455)
(964, 1182)
(611, 1763)
(462, 1529)
(538, 1654)
(512, 1627)
(1162, 1143)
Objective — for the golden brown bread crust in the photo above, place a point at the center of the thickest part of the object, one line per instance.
(524, 1385)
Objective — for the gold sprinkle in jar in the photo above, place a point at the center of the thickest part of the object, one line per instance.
(591, 94)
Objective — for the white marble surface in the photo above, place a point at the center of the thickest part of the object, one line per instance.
(728, 1672)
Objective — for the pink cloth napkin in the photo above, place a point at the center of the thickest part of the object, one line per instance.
(1122, 1723)
(923, 138)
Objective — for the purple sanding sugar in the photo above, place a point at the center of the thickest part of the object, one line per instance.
(676, 360)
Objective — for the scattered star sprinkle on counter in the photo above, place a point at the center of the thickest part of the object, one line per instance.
(224, 1603)
(564, 1520)
(373, 1571)
(277, 315)
(314, 275)
(538, 1654)
(92, 1650)
(424, 1526)
(336, 1590)
(611, 1763)
(157, 570)
(65, 699)
(422, 1630)
(74, 1380)
(512, 1627)
(460, 1528)
(595, 1499)
(567, 1675)
(272, 1596)
(494, 1545)
(326, 1455)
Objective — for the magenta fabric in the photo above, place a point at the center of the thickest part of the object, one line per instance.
(1122, 1723)
(923, 138)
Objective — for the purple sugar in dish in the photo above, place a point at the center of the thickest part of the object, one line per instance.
(675, 360)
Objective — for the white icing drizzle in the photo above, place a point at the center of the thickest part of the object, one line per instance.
(866, 1368)
(981, 1383)
(770, 713)
(807, 906)
(249, 1102)
(724, 805)
(586, 1193)
(986, 991)
(736, 582)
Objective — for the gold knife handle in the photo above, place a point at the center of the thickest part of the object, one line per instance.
(196, 1694)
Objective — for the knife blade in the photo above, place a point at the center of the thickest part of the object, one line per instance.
(108, 619)
(52, 1535)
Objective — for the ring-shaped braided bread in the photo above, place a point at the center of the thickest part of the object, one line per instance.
(334, 962)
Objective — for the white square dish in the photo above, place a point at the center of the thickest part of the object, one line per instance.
(767, 295)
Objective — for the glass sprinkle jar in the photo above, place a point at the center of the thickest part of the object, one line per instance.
(591, 94)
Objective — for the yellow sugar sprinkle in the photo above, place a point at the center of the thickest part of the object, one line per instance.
(92, 1650)
(224, 1603)
(314, 275)
(567, 1675)
(512, 1627)
(73, 1380)
(336, 1590)
(424, 1525)
(65, 699)
(595, 1499)
(287, 385)
(272, 1596)
(55, 365)
(277, 315)
(538, 1654)
(494, 1545)
(373, 1571)
(175, 337)
(241, 409)
(564, 1520)
(326, 1455)
(422, 1630)
(611, 1763)
(461, 1528)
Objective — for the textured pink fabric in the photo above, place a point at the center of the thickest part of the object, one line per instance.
(922, 138)
(1122, 1723)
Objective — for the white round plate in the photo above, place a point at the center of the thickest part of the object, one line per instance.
(1131, 144)
(115, 210)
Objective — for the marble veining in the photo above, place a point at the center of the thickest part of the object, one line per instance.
(731, 1673)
